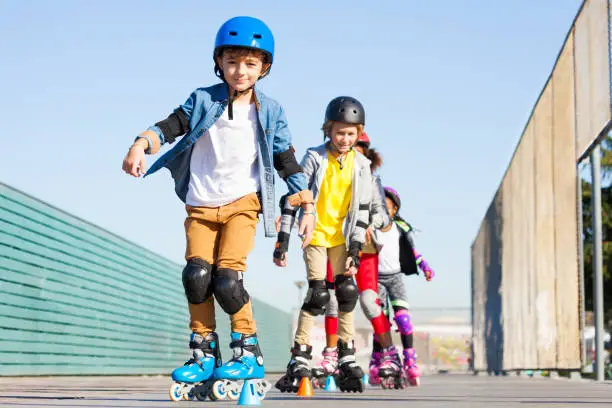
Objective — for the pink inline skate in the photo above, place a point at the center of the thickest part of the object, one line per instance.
(329, 366)
(374, 367)
(411, 370)
(390, 370)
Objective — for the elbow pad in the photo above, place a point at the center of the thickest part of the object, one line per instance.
(174, 125)
(286, 164)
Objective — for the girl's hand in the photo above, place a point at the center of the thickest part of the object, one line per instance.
(368, 235)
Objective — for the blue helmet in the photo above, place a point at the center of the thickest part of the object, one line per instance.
(247, 32)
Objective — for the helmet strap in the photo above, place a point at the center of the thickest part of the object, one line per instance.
(341, 156)
(231, 97)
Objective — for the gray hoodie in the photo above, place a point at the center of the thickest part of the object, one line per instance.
(314, 165)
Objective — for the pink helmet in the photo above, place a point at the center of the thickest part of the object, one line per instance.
(394, 196)
(364, 138)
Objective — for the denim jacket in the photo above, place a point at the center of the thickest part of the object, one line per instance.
(202, 109)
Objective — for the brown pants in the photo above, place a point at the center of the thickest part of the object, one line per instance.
(222, 236)
(316, 268)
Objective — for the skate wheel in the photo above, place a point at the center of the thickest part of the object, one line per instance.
(415, 382)
(262, 387)
(200, 395)
(233, 390)
(360, 387)
(176, 392)
(285, 384)
(219, 391)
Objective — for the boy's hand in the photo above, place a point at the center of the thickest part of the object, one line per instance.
(280, 250)
(280, 258)
(134, 161)
(352, 261)
(352, 266)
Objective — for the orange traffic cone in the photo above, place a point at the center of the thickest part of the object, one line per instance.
(305, 389)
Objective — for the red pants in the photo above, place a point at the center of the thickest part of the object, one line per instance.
(367, 283)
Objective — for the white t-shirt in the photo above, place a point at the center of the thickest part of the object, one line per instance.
(388, 257)
(224, 160)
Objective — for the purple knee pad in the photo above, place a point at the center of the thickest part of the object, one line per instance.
(404, 324)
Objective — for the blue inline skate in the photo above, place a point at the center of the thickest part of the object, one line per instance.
(246, 364)
(195, 379)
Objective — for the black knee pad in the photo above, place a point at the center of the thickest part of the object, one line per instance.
(316, 297)
(346, 293)
(229, 290)
(197, 276)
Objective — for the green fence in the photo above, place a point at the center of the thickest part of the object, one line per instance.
(76, 299)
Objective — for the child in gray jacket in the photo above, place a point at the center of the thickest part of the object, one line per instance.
(341, 183)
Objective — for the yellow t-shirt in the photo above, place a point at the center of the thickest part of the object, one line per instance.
(334, 201)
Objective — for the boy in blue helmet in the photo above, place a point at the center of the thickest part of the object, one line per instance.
(232, 137)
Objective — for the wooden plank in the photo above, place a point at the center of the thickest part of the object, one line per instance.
(496, 289)
(176, 345)
(64, 220)
(139, 302)
(135, 280)
(144, 324)
(45, 348)
(27, 280)
(517, 273)
(76, 324)
(161, 277)
(566, 225)
(60, 220)
(493, 313)
(545, 244)
(509, 264)
(592, 73)
(41, 325)
(478, 298)
(599, 53)
(50, 358)
(38, 369)
(521, 273)
(487, 259)
(18, 248)
(529, 283)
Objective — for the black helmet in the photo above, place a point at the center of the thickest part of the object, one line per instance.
(345, 109)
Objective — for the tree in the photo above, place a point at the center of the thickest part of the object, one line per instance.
(587, 212)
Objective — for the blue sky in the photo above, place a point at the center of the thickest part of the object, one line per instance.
(447, 86)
